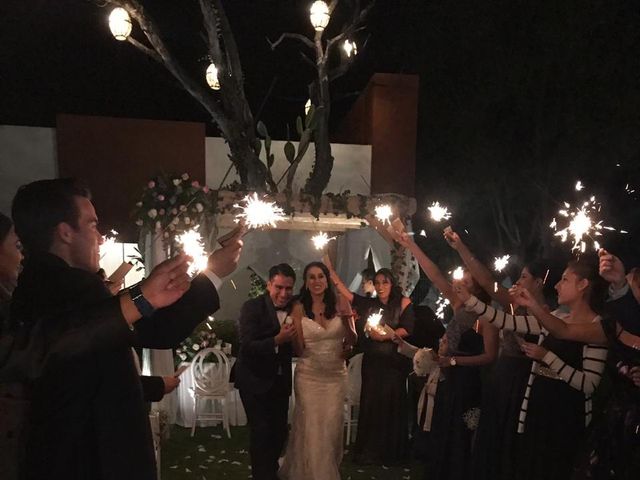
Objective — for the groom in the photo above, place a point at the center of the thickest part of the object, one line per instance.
(263, 370)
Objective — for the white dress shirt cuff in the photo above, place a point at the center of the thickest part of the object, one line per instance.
(616, 293)
(217, 282)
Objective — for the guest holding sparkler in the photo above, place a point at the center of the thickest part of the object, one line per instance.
(615, 443)
(382, 422)
(556, 408)
(467, 345)
(495, 450)
(13, 404)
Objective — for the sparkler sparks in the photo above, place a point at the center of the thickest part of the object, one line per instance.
(108, 241)
(500, 263)
(258, 213)
(579, 185)
(458, 273)
(192, 245)
(384, 213)
(373, 321)
(321, 240)
(439, 212)
(583, 224)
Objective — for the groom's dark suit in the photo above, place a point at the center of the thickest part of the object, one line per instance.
(263, 376)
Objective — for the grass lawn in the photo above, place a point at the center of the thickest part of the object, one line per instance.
(211, 455)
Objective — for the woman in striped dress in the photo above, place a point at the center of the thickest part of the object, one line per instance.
(614, 446)
(556, 408)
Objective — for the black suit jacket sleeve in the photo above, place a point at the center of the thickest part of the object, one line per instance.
(252, 340)
(626, 311)
(152, 388)
(101, 326)
(168, 326)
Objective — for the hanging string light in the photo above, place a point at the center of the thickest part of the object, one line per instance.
(212, 76)
(350, 48)
(319, 15)
(120, 23)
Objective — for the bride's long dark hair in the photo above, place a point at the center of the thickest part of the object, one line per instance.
(329, 295)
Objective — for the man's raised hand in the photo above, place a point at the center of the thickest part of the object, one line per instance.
(224, 261)
(167, 282)
(611, 268)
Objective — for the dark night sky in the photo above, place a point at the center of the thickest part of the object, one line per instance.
(518, 100)
(59, 56)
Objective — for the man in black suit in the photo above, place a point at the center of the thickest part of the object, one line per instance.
(88, 417)
(263, 370)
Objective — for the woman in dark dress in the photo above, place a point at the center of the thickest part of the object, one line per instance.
(467, 345)
(556, 408)
(614, 447)
(383, 430)
(495, 445)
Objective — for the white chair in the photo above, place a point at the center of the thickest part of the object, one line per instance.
(154, 420)
(211, 382)
(352, 402)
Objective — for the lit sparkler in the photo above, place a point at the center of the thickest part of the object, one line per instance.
(258, 213)
(439, 212)
(458, 273)
(321, 240)
(579, 186)
(500, 263)
(582, 224)
(373, 320)
(108, 241)
(373, 323)
(192, 245)
(384, 213)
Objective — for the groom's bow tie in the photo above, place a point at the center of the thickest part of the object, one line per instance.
(281, 309)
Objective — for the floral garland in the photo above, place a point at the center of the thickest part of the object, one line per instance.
(197, 341)
(172, 204)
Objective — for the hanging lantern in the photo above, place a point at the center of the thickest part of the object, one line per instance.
(307, 107)
(319, 15)
(212, 76)
(350, 48)
(120, 23)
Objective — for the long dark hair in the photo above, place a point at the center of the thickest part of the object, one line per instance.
(5, 226)
(587, 267)
(394, 305)
(329, 295)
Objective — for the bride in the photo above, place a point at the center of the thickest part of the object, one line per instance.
(325, 332)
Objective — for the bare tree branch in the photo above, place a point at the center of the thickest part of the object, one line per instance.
(293, 36)
(308, 60)
(230, 45)
(144, 49)
(197, 90)
(211, 24)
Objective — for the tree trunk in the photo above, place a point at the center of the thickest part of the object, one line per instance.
(321, 172)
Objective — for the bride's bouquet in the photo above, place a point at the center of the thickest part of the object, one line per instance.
(424, 359)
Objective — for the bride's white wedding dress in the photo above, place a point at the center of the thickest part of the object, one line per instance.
(314, 449)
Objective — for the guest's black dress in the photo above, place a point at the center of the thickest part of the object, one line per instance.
(383, 435)
(615, 452)
(497, 439)
(555, 421)
(457, 403)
